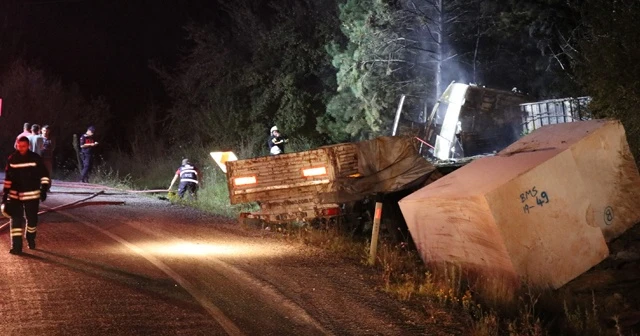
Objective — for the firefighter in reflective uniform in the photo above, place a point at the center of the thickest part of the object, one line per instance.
(189, 177)
(26, 183)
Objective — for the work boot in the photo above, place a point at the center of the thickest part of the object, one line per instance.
(15, 251)
(31, 243)
(16, 245)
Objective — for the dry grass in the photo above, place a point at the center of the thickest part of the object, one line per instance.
(491, 308)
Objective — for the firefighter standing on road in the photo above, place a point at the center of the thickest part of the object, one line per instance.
(189, 177)
(26, 183)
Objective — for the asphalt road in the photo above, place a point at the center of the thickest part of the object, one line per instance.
(148, 267)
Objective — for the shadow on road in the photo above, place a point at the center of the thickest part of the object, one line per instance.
(159, 288)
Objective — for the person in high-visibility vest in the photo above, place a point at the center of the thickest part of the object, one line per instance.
(189, 177)
(26, 183)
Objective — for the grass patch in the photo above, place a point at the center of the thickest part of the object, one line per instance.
(146, 172)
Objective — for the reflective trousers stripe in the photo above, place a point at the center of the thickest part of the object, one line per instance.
(189, 180)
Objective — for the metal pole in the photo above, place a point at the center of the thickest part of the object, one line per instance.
(397, 119)
(424, 122)
(375, 232)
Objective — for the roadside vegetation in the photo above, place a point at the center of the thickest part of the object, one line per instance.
(487, 310)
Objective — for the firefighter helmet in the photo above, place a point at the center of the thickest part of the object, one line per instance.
(274, 128)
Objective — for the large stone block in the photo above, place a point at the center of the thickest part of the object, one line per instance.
(605, 163)
(534, 212)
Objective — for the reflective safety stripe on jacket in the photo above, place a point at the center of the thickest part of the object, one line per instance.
(25, 177)
(188, 173)
(25, 195)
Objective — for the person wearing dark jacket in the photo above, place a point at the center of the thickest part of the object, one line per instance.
(189, 178)
(86, 147)
(48, 146)
(26, 183)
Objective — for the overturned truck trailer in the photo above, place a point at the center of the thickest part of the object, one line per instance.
(315, 184)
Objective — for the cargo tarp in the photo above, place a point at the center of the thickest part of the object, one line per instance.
(386, 164)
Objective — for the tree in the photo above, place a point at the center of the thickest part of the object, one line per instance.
(609, 69)
(377, 63)
(527, 44)
(266, 65)
(433, 23)
(498, 43)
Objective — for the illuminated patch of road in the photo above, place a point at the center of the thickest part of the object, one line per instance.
(211, 252)
(185, 248)
(215, 312)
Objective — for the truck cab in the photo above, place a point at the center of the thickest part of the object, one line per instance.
(470, 121)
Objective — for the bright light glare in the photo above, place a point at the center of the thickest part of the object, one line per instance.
(314, 171)
(200, 249)
(219, 250)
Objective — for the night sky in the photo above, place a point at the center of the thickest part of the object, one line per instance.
(105, 46)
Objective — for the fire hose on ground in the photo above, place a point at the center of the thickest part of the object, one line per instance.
(72, 205)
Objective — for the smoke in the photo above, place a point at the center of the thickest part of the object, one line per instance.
(438, 62)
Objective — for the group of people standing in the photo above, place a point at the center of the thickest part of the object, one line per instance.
(28, 180)
(26, 183)
(40, 142)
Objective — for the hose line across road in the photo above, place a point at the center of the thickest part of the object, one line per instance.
(124, 264)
